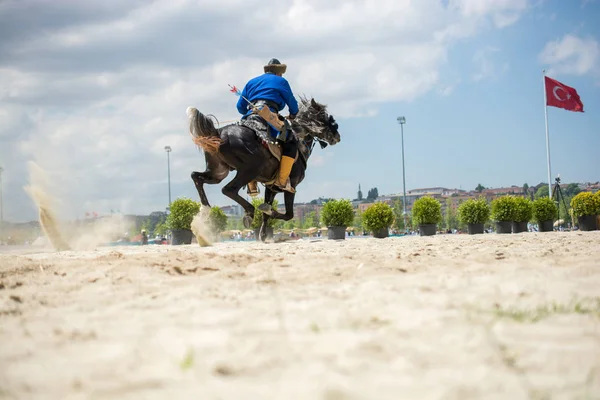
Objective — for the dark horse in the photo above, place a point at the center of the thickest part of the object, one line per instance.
(237, 147)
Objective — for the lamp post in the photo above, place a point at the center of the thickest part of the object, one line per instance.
(402, 121)
(168, 150)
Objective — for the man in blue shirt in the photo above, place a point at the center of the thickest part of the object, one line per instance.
(273, 90)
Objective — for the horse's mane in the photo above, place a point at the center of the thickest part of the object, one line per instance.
(312, 116)
(312, 112)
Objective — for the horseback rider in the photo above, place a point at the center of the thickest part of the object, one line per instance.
(273, 90)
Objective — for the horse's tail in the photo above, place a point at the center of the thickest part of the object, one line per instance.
(203, 131)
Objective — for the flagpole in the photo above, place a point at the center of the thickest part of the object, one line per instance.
(547, 137)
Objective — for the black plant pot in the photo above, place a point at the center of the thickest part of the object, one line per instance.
(588, 223)
(503, 227)
(546, 226)
(475, 229)
(336, 232)
(518, 227)
(181, 236)
(381, 233)
(427, 229)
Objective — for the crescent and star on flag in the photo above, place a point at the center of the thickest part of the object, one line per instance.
(562, 96)
(555, 92)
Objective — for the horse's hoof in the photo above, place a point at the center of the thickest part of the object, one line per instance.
(267, 209)
(247, 220)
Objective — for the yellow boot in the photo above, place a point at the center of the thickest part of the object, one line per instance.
(285, 168)
(253, 189)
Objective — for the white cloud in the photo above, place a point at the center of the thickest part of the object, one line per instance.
(95, 95)
(487, 66)
(503, 12)
(447, 90)
(572, 55)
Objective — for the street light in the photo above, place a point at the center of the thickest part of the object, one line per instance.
(168, 150)
(402, 121)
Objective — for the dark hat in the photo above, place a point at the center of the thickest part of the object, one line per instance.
(275, 66)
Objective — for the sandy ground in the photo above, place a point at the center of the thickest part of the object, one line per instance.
(444, 317)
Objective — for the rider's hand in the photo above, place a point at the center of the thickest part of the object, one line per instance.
(291, 116)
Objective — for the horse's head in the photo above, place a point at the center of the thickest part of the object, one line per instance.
(313, 120)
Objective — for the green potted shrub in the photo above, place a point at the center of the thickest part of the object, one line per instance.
(427, 213)
(544, 212)
(179, 221)
(502, 213)
(522, 213)
(217, 220)
(337, 215)
(378, 218)
(586, 207)
(475, 213)
(258, 219)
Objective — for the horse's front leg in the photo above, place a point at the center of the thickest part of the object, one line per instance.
(267, 205)
(215, 172)
(289, 207)
(231, 190)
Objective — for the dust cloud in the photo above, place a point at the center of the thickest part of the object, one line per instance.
(81, 235)
(201, 228)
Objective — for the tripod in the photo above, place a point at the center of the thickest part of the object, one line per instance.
(557, 196)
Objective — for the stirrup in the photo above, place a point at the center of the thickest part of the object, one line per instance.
(287, 187)
(253, 193)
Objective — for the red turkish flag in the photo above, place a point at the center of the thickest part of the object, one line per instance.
(562, 96)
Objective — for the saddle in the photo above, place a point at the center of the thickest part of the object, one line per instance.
(261, 129)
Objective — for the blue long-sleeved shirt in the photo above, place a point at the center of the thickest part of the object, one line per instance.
(268, 87)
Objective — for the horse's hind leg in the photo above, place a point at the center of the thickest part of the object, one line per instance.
(215, 172)
(231, 190)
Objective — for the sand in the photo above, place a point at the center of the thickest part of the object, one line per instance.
(444, 317)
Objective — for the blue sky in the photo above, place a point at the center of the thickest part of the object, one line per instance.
(490, 131)
(92, 92)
